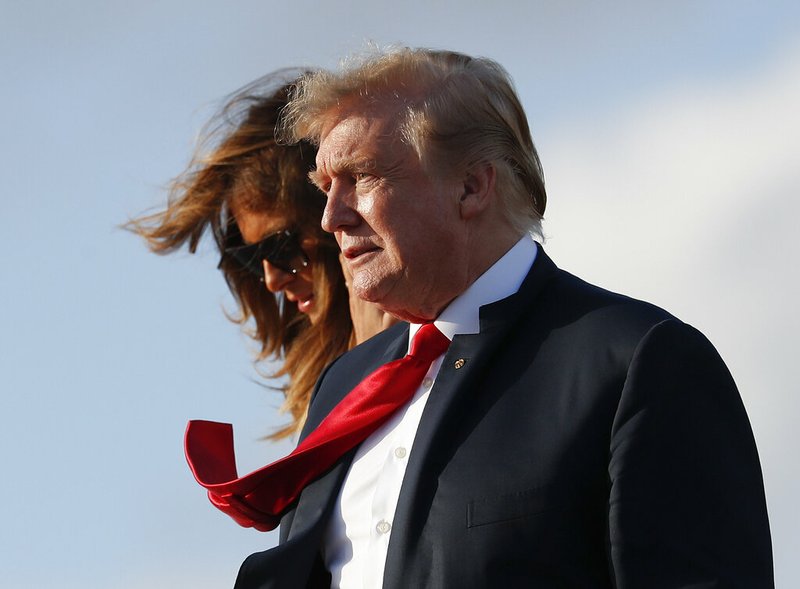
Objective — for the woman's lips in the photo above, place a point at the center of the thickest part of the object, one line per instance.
(304, 302)
(305, 305)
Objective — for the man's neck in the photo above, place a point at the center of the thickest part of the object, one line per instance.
(501, 279)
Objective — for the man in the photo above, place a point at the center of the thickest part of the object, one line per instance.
(568, 437)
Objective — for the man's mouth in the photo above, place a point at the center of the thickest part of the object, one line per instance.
(356, 251)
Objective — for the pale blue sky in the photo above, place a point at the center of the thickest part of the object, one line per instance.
(669, 136)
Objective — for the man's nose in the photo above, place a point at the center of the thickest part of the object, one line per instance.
(275, 279)
(339, 213)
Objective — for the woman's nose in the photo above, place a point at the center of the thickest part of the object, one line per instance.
(274, 278)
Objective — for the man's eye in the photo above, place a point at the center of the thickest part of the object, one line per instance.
(361, 176)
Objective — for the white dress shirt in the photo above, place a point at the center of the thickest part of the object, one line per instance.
(357, 538)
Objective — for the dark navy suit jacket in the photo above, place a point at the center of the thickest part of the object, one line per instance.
(588, 441)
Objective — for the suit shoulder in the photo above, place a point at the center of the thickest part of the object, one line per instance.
(630, 325)
(570, 296)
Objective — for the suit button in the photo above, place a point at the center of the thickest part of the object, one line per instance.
(383, 527)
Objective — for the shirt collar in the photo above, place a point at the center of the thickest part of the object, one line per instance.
(502, 279)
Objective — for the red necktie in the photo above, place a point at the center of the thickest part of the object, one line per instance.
(259, 499)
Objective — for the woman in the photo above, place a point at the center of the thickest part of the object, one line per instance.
(282, 269)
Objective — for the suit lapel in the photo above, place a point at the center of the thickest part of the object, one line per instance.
(465, 362)
(317, 499)
(336, 390)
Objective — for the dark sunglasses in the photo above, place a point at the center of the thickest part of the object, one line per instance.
(281, 249)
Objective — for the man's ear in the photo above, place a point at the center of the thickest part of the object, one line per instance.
(477, 190)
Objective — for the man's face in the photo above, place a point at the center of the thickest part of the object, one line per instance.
(399, 228)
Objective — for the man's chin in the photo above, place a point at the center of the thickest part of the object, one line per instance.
(382, 294)
(404, 311)
(368, 289)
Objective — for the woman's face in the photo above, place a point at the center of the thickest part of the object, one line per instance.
(297, 288)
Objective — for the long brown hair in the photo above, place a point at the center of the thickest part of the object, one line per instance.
(239, 160)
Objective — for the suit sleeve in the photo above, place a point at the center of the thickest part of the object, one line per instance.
(686, 506)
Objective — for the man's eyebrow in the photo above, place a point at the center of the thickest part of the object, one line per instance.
(343, 166)
(363, 164)
(317, 178)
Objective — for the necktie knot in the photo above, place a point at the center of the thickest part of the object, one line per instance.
(428, 344)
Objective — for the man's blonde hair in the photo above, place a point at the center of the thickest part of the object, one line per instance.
(455, 111)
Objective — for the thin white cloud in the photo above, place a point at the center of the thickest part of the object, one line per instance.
(680, 164)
